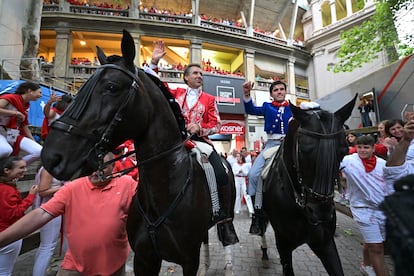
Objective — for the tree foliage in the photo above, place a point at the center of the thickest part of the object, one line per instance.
(362, 44)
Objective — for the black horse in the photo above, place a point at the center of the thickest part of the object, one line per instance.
(299, 190)
(171, 211)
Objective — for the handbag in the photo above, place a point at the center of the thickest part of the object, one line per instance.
(11, 135)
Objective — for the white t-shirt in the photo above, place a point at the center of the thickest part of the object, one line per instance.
(365, 189)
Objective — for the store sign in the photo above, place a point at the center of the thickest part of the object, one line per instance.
(232, 127)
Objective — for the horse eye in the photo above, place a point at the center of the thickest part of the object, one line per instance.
(110, 87)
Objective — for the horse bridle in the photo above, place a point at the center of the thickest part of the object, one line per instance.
(101, 146)
(304, 190)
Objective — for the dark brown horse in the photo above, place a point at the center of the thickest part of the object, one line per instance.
(299, 190)
(171, 212)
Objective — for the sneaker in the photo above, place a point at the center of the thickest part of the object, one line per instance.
(367, 270)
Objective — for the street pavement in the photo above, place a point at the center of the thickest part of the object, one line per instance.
(247, 254)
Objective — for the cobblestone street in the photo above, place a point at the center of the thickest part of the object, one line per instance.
(247, 254)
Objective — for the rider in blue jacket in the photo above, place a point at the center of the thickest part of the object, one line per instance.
(277, 115)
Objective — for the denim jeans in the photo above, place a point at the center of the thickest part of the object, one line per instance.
(49, 234)
(8, 257)
(257, 167)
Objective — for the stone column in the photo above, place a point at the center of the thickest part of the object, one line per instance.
(316, 15)
(348, 7)
(133, 9)
(195, 51)
(137, 42)
(249, 64)
(250, 76)
(195, 4)
(63, 52)
(333, 11)
(291, 79)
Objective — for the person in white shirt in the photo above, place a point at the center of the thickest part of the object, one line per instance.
(399, 163)
(367, 188)
(240, 170)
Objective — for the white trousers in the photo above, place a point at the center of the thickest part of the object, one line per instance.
(49, 235)
(241, 191)
(8, 257)
(32, 148)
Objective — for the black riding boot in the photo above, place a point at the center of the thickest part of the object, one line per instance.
(225, 229)
(259, 223)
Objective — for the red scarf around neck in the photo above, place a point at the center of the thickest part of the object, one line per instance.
(369, 163)
(278, 104)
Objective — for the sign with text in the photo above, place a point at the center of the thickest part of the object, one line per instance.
(232, 127)
(227, 90)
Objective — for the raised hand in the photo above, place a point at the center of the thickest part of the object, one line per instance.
(159, 52)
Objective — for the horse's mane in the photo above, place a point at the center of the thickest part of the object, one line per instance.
(175, 107)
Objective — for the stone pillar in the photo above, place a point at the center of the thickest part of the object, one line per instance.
(249, 64)
(250, 76)
(316, 15)
(63, 52)
(291, 79)
(137, 42)
(348, 7)
(195, 51)
(333, 11)
(133, 9)
(195, 4)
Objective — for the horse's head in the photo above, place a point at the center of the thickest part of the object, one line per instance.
(315, 147)
(101, 115)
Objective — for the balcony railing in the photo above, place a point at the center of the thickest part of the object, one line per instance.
(98, 11)
(223, 27)
(165, 17)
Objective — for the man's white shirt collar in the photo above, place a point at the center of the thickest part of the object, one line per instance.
(192, 97)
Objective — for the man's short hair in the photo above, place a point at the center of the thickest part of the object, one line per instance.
(187, 70)
(276, 83)
(365, 140)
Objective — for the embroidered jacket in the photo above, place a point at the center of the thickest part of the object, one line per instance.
(276, 119)
(204, 113)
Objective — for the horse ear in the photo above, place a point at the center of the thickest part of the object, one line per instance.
(298, 113)
(128, 49)
(101, 55)
(345, 111)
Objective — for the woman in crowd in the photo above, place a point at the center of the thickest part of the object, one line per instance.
(12, 207)
(52, 113)
(381, 132)
(394, 129)
(241, 170)
(14, 126)
(49, 233)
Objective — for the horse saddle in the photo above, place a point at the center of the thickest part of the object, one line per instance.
(268, 155)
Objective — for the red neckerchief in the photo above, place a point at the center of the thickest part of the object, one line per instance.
(277, 104)
(370, 163)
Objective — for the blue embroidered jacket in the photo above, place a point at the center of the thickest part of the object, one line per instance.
(272, 115)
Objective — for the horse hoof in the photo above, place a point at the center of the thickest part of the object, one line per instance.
(228, 268)
(202, 271)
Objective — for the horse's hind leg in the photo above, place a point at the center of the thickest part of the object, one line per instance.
(265, 257)
(329, 257)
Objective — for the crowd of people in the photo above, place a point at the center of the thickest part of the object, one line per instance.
(168, 15)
